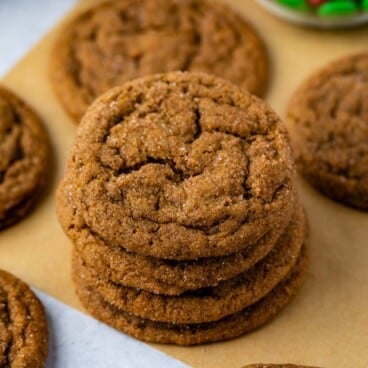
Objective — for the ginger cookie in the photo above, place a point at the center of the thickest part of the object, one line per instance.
(168, 277)
(158, 275)
(23, 325)
(181, 166)
(24, 151)
(203, 305)
(117, 41)
(229, 327)
(328, 116)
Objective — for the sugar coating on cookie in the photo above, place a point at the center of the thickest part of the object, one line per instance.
(229, 327)
(159, 275)
(328, 118)
(117, 41)
(23, 325)
(207, 304)
(181, 166)
(165, 276)
(24, 151)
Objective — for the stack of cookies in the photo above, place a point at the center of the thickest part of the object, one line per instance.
(179, 197)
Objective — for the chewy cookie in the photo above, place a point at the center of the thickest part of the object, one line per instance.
(181, 166)
(229, 327)
(173, 179)
(167, 276)
(328, 117)
(23, 325)
(159, 275)
(120, 40)
(24, 152)
(202, 305)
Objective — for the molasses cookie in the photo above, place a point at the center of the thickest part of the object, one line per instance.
(229, 327)
(203, 305)
(181, 166)
(23, 325)
(24, 151)
(117, 41)
(328, 116)
(161, 276)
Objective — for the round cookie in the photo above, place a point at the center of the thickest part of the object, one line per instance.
(24, 152)
(158, 275)
(229, 327)
(23, 325)
(328, 117)
(181, 166)
(165, 276)
(118, 41)
(203, 305)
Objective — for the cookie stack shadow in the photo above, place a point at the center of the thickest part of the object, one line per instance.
(198, 240)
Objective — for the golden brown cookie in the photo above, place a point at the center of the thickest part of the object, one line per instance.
(24, 152)
(23, 325)
(181, 166)
(203, 305)
(229, 327)
(120, 40)
(162, 276)
(158, 275)
(328, 116)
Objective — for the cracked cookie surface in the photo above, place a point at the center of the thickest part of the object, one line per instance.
(24, 151)
(328, 117)
(181, 166)
(226, 328)
(161, 276)
(121, 40)
(206, 304)
(23, 326)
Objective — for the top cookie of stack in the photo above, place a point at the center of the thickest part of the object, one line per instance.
(181, 166)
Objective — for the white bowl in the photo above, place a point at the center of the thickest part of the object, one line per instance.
(312, 20)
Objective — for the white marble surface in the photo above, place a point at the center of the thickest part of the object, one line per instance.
(76, 340)
(23, 22)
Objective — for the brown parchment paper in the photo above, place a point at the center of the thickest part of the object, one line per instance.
(327, 323)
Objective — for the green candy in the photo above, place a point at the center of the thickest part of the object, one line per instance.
(294, 4)
(336, 8)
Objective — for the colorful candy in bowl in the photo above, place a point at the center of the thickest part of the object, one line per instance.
(320, 13)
